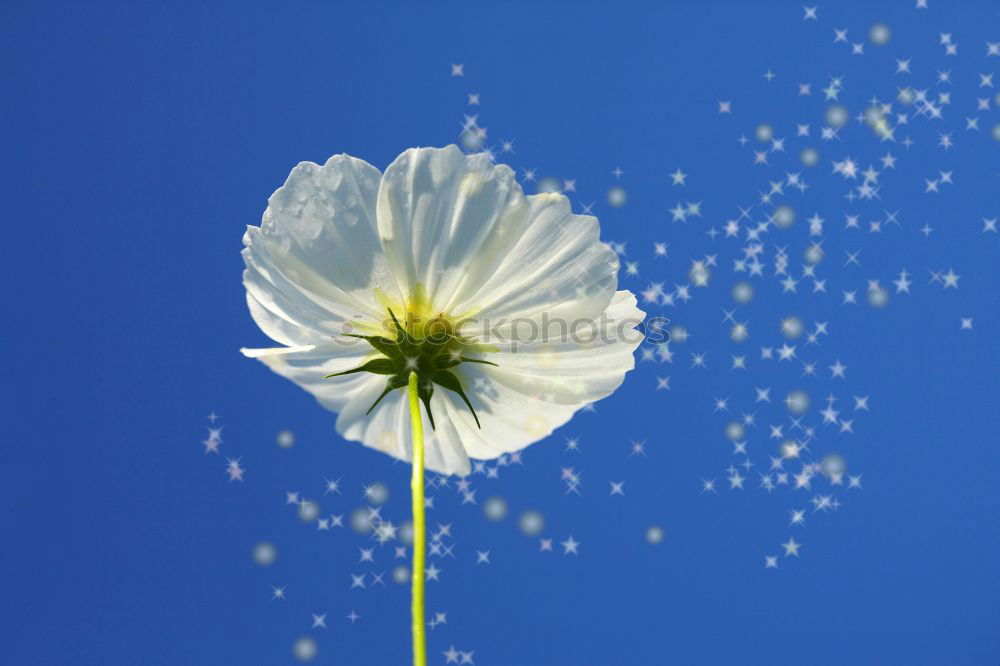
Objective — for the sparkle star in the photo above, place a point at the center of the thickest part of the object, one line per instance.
(950, 279)
(211, 444)
(903, 283)
(570, 546)
(235, 470)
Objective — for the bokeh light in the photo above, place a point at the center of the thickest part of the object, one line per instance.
(742, 292)
(495, 509)
(305, 649)
(264, 554)
(797, 401)
(531, 522)
(792, 327)
(308, 511)
(836, 116)
(285, 439)
(616, 197)
(879, 34)
(784, 216)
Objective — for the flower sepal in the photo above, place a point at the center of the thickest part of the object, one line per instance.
(431, 357)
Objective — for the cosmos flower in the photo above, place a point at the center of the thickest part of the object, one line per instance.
(505, 304)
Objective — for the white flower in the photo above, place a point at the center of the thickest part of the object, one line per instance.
(449, 235)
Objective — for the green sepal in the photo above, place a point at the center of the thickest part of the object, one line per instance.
(391, 384)
(382, 345)
(430, 357)
(466, 359)
(425, 390)
(444, 362)
(405, 343)
(450, 382)
(378, 366)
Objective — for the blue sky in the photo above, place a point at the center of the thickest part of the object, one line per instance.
(141, 139)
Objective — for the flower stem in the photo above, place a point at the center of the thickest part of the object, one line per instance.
(419, 526)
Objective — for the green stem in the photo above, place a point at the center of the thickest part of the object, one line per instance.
(419, 524)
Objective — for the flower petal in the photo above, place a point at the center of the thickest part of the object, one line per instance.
(539, 387)
(387, 429)
(511, 419)
(308, 365)
(316, 260)
(446, 219)
(573, 366)
(558, 270)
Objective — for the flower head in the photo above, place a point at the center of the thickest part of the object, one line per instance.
(431, 354)
(504, 304)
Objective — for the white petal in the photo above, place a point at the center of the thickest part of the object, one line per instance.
(387, 429)
(307, 365)
(588, 364)
(558, 270)
(510, 419)
(316, 260)
(537, 388)
(447, 220)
